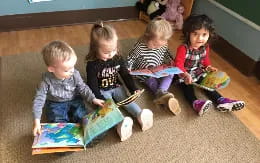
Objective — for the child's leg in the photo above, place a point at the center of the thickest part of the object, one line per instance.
(124, 128)
(225, 104)
(162, 94)
(200, 106)
(152, 84)
(165, 82)
(145, 116)
(213, 95)
(57, 112)
(188, 92)
(119, 94)
(165, 98)
(77, 110)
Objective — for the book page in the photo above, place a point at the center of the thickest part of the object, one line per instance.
(59, 135)
(101, 120)
(158, 72)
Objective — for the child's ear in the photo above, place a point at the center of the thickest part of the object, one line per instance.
(50, 69)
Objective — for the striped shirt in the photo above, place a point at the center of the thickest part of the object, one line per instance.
(57, 90)
(141, 57)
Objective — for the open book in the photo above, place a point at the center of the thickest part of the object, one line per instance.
(157, 72)
(214, 80)
(63, 137)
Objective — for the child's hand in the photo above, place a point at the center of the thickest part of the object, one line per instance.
(211, 68)
(137, 91)
(99, 102)
(37, 127)
(186, 77)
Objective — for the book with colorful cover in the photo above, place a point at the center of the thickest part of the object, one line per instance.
(157, 72)
(214, 80)
(63, 137)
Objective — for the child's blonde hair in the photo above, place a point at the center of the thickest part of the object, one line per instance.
(158, 28)
(99, 31)
(57, 51)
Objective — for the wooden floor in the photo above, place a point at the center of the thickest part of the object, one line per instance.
(241, 87)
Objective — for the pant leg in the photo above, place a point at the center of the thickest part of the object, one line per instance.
(57, 112)
(152, 84)
(77, 110)
(189, 93)
(213, 95)
(165, 82)
(119, 94)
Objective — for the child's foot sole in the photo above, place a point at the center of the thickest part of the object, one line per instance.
(124, 129)
(146, 119)
(174, 106)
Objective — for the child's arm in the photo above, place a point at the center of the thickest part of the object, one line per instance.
(38, 104)
(37, 127)
(83, 88)
(168, 58)
(206, 62)
(92, 80)
(179, 62)
(128, 79)
(133, 55)
(180, 58)
(98, 102)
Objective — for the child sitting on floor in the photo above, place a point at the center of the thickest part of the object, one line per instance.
(62, 88)
(104, 65)
(193, 59)
(151, 51)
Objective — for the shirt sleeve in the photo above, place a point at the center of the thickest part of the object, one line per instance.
(180, 58)
(206, 61)
(83, 88)
(39, 99)
(92, 79)
(127, 78)
(133, 56)
(167, 56)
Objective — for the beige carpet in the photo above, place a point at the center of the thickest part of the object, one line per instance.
(215, 137)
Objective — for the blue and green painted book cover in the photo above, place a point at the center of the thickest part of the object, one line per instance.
(62, 137)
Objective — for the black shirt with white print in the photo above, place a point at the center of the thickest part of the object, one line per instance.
(104, 75)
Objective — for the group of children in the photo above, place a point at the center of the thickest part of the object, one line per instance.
(62, 91)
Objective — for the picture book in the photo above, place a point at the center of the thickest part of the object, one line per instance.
(214, 80)
(157, 72)
(63, 137)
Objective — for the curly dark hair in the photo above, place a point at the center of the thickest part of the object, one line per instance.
(196, 22)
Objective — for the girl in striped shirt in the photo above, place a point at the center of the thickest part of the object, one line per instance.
(151, 51)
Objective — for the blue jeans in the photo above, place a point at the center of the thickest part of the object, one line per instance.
(118, 94)
(64, 112)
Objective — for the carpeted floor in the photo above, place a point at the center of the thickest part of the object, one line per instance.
(215, 137)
